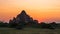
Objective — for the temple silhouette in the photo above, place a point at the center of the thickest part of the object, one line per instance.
(23, 18)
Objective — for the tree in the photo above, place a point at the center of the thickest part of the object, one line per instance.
(53, 25)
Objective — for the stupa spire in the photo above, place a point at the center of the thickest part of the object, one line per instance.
(23, 12)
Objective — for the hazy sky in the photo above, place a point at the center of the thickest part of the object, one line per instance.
(42, 10)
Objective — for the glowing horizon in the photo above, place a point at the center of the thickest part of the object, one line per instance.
(42, 10)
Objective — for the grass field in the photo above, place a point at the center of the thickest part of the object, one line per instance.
(28, 31)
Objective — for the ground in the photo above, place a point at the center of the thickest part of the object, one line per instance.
(29, 31)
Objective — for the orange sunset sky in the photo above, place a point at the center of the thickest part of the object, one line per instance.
(42, 10)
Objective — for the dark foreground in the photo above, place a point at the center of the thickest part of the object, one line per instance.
(28, 31)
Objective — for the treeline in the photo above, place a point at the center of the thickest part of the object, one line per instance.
(21, 25)
(3, 24)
